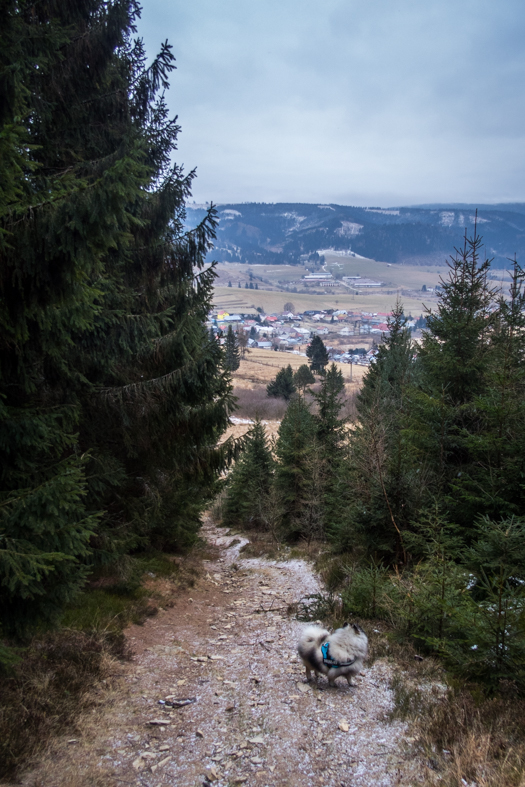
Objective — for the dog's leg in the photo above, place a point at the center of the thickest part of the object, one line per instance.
(308, 673)
(349, 679)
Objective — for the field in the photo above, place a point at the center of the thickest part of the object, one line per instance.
(261, 366)
(272, 301)
(254, 374)
(272, 293)
(411, 277)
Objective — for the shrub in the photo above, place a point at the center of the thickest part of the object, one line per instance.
(254, 402)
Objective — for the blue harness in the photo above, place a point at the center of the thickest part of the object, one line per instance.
(331, 662)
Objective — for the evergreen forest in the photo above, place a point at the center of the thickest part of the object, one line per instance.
(112, 392)
(421, 501)
(115, 394)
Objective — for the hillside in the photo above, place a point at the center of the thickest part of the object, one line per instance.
(291, 233)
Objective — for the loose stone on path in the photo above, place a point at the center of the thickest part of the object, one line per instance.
(245, 714)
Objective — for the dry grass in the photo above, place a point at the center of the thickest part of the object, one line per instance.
(271, 301)
(405, 279)
(59, 677)
(263, 544)
(67, 672)
(261, 366)
(257, 369)
(463, 737)
(394, 275)
(255, 402)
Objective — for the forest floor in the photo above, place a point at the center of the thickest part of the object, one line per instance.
(229, 646)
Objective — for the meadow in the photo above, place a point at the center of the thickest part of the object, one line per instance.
(257, 369)
(405, 281)
(272, 301)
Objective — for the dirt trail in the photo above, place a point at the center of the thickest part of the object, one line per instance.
(254, 721)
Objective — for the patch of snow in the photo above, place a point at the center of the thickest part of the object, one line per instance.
(349, 229)
(447, 218)
(341, 253)
(229, 213)
(236, 420)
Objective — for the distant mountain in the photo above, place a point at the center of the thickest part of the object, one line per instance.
(512, 207)
(294, 232)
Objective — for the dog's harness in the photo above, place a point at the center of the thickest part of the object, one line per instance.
(331, 662)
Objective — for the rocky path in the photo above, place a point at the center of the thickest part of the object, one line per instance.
(216, 694)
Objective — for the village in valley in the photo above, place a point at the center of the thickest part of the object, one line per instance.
(344, 299)
(351, 336)
(289, 332)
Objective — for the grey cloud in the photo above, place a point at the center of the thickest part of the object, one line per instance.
(355, 100)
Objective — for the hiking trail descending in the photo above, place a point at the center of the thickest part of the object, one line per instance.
(228, 647)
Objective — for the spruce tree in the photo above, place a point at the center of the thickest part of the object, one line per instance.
(55, 231)
(387, 487)
(112, 394)
(232, 356)
(318, 354)
(296, 455)
(485, 632)
(249, 482)
(303, 377)
(491, 483)
(454, 349)
(283, 386)
(453, 373)
(331, 439)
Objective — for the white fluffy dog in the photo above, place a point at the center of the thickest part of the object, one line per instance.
(340, 653)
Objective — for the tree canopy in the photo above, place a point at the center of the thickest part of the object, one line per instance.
(283, 386)
(232, 355)
(318, 354)
(112, 395)
(303, 377)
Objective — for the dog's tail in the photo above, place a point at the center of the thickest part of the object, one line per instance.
(312, 636)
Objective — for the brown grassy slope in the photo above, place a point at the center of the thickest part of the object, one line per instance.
(257, 369)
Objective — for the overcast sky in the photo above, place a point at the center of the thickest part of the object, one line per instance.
(357, 102)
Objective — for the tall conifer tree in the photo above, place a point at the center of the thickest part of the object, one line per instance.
(232, 355)
(384, 483)
(111, 392)
(283, 386)
(331, 439)
(249, 481)
(296, 453)
(453, 373)
(491, 484)
(318, 354)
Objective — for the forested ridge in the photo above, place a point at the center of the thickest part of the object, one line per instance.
(295, 233)
(112, 393)
(422, 499)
